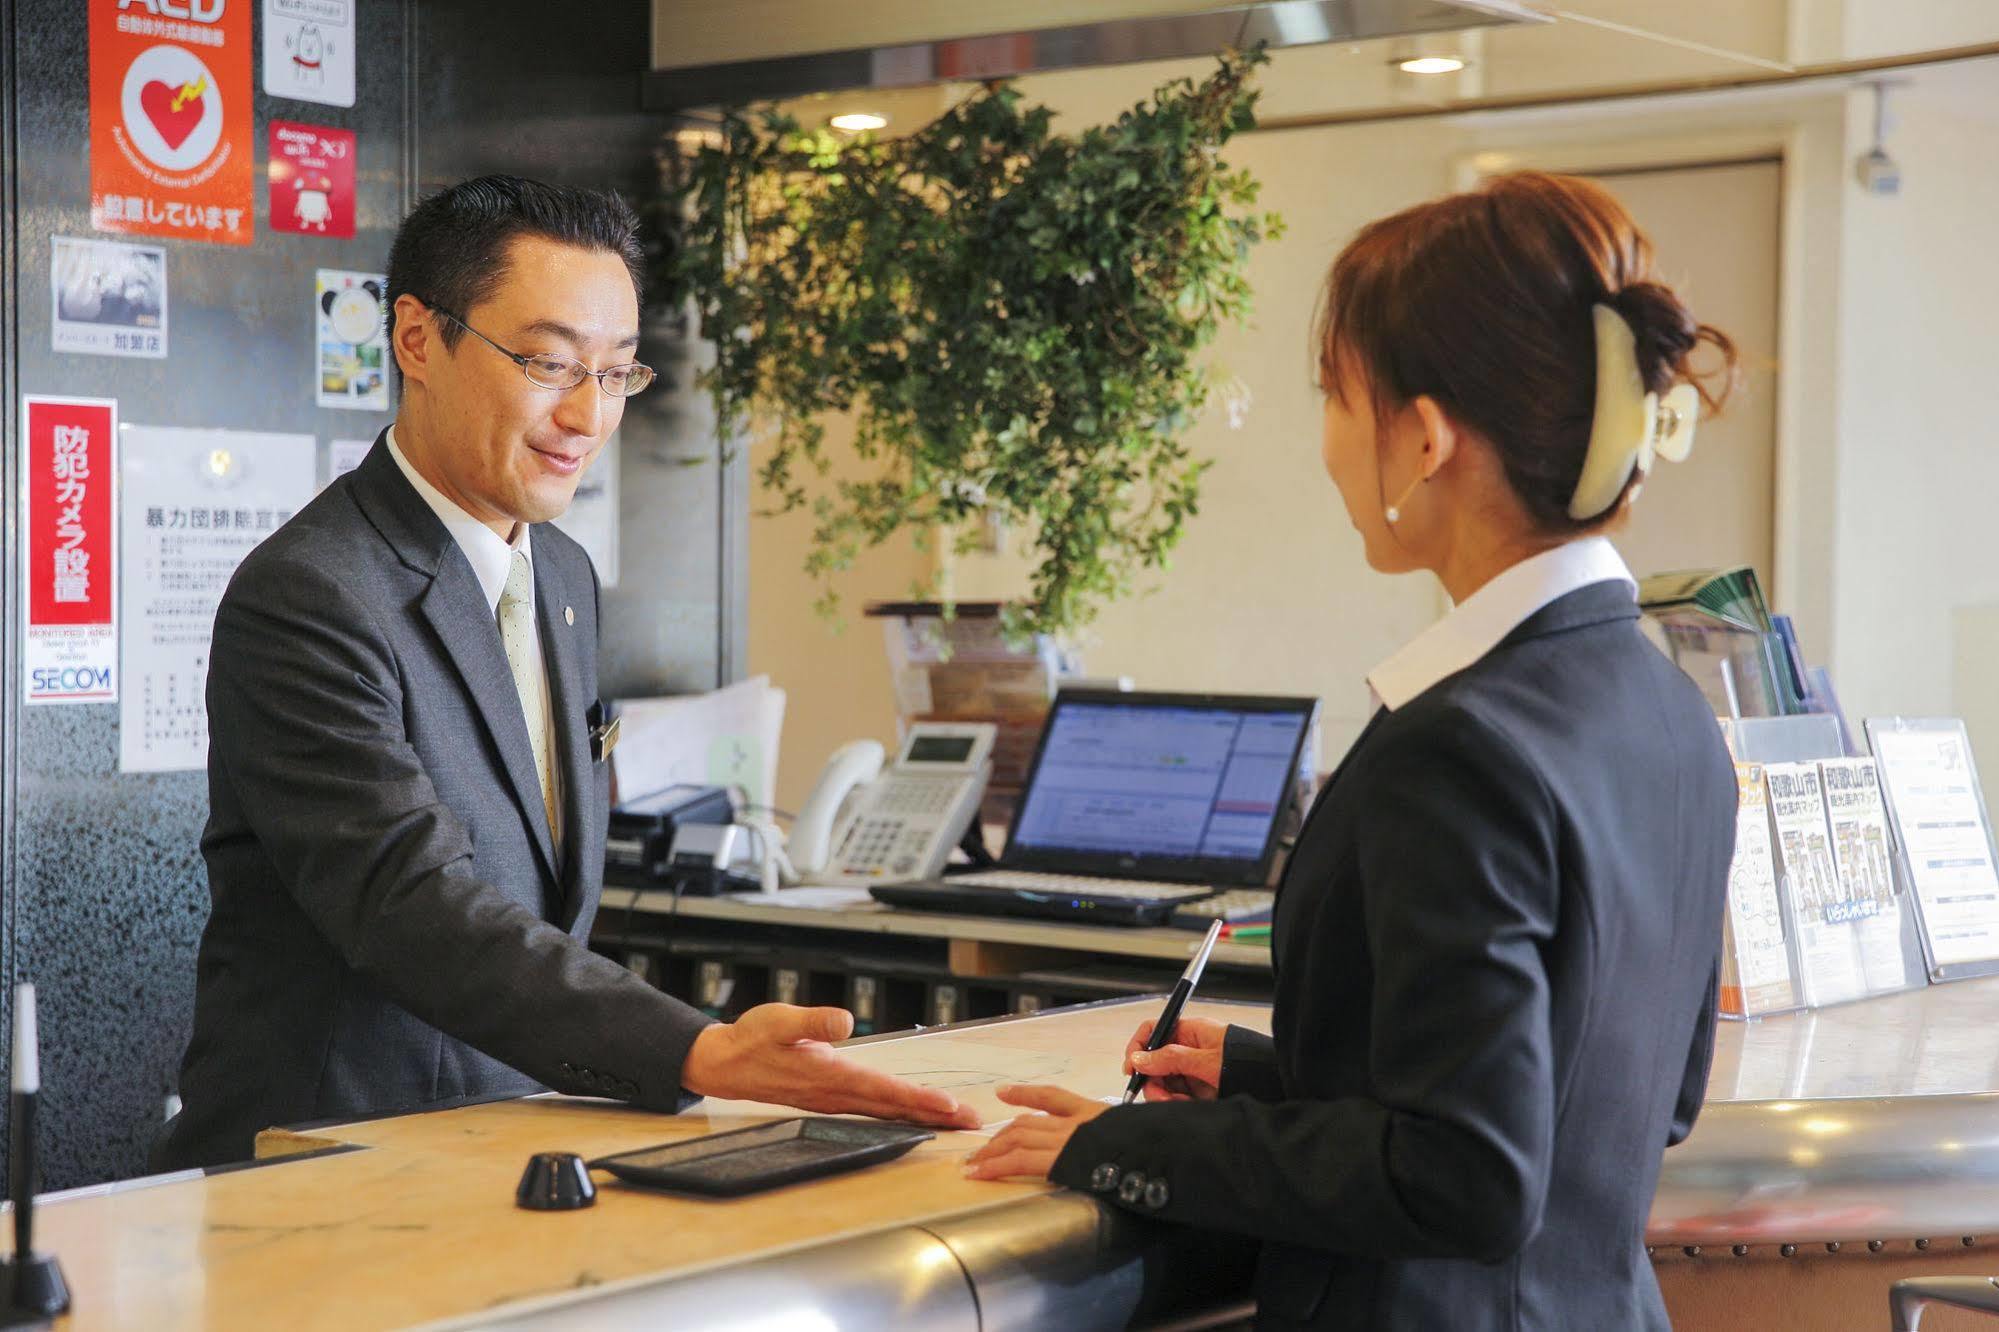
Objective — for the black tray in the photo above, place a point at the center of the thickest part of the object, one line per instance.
(726, 1165)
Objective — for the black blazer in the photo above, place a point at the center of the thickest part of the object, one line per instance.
(391, 927)
(1495, 951)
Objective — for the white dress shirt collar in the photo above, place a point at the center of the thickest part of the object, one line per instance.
(1487, 616)
(491, 558)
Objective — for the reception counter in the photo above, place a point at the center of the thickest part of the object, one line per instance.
(1839, 1150)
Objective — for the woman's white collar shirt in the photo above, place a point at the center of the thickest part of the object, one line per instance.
(1487, 616)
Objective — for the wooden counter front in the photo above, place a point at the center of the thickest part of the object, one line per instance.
(417, 1220)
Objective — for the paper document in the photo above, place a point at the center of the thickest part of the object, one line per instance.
(973, 1069)
(1828, 954)
(725, 738)
(1756, 967)
(1860, 853)
(1940, 818)
(196, 502)
(817, 897)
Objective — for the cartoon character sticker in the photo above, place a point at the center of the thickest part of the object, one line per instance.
(352, 340)
(309, 50)
(312, 179)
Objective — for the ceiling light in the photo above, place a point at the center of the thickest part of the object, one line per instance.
(1431, 65)
(856, 121)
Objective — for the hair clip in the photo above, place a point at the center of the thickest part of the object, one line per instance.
(1631, 425)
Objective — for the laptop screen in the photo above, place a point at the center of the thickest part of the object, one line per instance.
(1168, 786)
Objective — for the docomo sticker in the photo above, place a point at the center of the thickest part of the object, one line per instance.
(69, 518)
(170, 139)
(311, 168)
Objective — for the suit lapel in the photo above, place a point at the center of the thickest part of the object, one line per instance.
(1345, 762)
(455, 606)
(569, 695)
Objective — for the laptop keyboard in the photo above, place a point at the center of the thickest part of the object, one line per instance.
(1240, 905)
(1079, 884)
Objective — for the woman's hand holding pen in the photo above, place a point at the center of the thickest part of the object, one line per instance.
(1188, 1069)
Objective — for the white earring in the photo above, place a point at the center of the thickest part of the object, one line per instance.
(1393, 513)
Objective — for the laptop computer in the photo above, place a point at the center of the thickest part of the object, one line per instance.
(1137, 804)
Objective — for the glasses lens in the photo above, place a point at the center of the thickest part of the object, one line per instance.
(622, 381)
(553, 372)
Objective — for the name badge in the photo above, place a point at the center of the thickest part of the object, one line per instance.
(603, 734)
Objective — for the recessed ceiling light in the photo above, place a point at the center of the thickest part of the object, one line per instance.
(856, 121)
(1431, 65)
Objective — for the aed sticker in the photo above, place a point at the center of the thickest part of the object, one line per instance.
(171, 152)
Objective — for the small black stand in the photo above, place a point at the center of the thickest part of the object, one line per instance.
(555, 1182)
(973, 844)
(35, 1289)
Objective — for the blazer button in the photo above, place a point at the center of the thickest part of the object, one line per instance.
(1104, 1178)
(1155, 1194)
(1132, 1189)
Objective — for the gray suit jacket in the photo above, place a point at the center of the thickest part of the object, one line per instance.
(390, 927)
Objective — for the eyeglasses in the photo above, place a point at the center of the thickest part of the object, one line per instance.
(562, 373)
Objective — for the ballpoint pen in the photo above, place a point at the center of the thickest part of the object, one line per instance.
(1162, 1030)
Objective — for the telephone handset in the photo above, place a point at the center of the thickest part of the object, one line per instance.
(862, 824)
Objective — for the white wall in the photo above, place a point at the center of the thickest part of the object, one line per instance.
(1832, 30)
(1884, 533)
(834, 674)
(1918, 545)
(1269, 591)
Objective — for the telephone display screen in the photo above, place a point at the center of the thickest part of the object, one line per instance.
(940, 749)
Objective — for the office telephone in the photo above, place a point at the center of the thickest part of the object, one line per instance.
(863, 824)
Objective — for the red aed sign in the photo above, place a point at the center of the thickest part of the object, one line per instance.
(69, 516)
(312, 179)
(170, 140)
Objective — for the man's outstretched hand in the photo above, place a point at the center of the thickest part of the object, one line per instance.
(782, 1054)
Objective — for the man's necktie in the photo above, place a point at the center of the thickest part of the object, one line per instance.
(517, 633)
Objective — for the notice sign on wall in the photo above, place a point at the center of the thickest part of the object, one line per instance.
(170, 138)
(196, 502)
(309, 50)
(107, 298)
(69, 516)
(312, 179)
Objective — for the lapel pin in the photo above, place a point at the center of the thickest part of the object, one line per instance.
(569, 615)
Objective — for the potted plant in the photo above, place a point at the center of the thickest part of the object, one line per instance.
(1014, 317)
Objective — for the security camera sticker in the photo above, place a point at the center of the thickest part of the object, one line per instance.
(352, 340)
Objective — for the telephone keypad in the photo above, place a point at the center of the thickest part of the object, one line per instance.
(891, 838)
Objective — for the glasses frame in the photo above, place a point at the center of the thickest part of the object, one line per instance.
(584, 371)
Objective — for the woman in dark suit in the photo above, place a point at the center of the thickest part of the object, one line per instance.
(1496, 941)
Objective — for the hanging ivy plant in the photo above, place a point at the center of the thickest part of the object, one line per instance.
(1013, 316)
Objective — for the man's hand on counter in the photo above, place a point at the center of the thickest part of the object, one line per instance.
(781, 1054)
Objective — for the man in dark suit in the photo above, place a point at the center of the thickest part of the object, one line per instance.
(406, 827)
